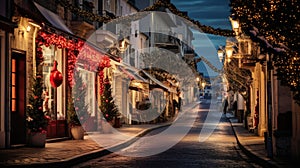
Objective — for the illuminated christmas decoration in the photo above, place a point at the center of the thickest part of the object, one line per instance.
(77, 50)
(56, 77)
(274, 24)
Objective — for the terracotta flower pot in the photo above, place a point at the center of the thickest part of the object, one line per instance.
(77, 132)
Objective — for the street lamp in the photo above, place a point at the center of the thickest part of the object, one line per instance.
(203, 85)
(229, 52)
(221, 54)
(235, 26)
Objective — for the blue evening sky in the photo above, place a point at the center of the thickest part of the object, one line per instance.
(214, 13)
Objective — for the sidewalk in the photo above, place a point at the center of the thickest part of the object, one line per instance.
(70, 152)
(254, 146)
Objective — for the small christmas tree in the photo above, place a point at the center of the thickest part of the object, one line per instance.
(77, 107)
(108, 108)
(36, 118)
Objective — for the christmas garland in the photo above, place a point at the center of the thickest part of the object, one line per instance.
(72, 46)
(77, 51)
(105, 19)
(275, 26)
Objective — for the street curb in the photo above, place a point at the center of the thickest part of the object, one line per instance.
(89, 155)
(251, 154)
(93, 154)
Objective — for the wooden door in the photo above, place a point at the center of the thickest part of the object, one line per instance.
(18, 100)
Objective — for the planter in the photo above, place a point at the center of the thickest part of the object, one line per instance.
(117, 122)
(77, 132)
(37, 139)
(106, 127)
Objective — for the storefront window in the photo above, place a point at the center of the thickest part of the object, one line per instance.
(90, 98)
(54, 98)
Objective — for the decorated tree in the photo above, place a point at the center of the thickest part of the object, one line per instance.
(77, 107)
(108, 108)
(36, 119)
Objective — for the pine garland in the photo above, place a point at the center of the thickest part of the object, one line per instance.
(105, 19)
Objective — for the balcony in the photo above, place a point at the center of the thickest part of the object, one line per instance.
(167, 42)
(82, 26)
(248, 62)
(106, 38)
(248, 54)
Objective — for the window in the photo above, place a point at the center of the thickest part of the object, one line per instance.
(13, 86)
(90, 97)
(54, 98)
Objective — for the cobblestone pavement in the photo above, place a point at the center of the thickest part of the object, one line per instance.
(219, 150)
(57, 153)
(67, 152)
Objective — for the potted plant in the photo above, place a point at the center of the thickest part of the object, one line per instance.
(108, 108)
(36, 119)
(77, 108)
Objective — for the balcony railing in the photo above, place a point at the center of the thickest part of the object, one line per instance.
(87, 6)
(49, 4)
(162, 38)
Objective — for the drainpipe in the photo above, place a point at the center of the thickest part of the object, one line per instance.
(269, 106)
(7, 93)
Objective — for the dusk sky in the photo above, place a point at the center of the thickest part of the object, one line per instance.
(213, 13)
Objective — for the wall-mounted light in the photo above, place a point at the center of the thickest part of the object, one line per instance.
(221, 53)
(123, 44)
(229, 52)
(203, 85)
(235, 25)
(28, 28)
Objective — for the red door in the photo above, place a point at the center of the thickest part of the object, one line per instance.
(18, 100)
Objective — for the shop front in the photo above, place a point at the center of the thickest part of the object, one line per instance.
(54, 97)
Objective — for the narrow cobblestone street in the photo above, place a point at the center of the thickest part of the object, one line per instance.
(220, 150)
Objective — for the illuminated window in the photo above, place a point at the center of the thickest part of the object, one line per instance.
(13, 86)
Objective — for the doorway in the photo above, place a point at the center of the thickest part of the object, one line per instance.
(18, 100)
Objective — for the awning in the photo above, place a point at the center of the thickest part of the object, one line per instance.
(138, 86)
(53, 18)
(131, 72)
(160, 84)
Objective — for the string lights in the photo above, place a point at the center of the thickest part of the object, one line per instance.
(77, 51)
(155, 7)
(278, 22)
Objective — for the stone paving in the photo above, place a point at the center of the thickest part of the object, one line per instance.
(66, 150)
(254, 146)
(63, 153)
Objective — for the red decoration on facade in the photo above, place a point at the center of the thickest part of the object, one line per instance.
(77, 51)
(56, 77)
(105, 62)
